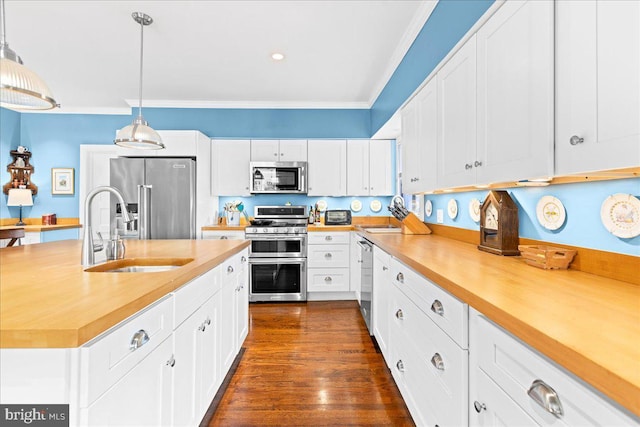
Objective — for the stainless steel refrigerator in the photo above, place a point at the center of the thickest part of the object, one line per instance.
(165, 207)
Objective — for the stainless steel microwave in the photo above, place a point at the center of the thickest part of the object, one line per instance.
(278, 177)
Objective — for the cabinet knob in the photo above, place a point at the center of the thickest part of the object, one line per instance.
(328, 238)
(477, 163)
(139, 339)
(546, 397)
(437, 361)
(479, 407)
(399, 314)
(328, 255)
(468, 166)
(243, 259)
(400, 277)
(400, 366)
(230, 269)
(385, 268)
(282, 154)
(437, 308)
(328, 279)
(575, 140)
(224, 237)
(172, 361)
(275, 154)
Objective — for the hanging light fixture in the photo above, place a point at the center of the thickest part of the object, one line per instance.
(139, 134)
(20, 88)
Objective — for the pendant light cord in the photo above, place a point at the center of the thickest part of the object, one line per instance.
(141, 56)
(4, 25)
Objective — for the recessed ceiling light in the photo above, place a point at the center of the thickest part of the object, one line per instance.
(277, 56)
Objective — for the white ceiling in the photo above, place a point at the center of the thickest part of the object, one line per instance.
(339, 54)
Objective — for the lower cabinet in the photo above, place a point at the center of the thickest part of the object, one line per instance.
(512, 384)
(328, 262)
(381, 314)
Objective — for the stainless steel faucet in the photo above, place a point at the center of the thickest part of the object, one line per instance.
(88, 246)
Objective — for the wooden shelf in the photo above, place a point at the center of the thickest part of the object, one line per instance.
(20, 175)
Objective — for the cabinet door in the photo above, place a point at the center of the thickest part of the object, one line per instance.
(207, 377)
(242, 303)
(327, 173)
(227, 325)
(381, 295)
(230, 160)
(293, 150)
(141, 398)
(178, 143)
(264, 150)
(597, 85)
(358, 167)
(355, 262)
(515, 93)
(410, 147)
(381, 177)
(457, 121)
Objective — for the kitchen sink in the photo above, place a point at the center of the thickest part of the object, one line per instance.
(139, 265)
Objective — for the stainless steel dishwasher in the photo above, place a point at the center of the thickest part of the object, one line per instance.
(366, 270)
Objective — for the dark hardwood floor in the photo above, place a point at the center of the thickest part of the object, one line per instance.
(310, 364)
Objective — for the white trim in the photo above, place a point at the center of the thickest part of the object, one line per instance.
(124, 111)
(409, 36)
(249, 104)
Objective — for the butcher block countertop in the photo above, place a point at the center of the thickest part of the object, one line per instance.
(586, 323)
(47, 300)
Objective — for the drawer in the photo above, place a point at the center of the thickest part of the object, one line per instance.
(328, 256)
(324, 238)
(514, 366)
(449, 313)
(328, 279)
(234, 265)
(435, 367)
(108, 357)
(223, 235)
(188, 298)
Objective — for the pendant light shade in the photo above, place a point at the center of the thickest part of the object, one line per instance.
(20, 88)
(139, 134)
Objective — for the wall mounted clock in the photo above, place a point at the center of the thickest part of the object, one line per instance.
(474, 210)
(499, 224)
(452, 208)
(620, 214)
(428, 208)
(550, 213)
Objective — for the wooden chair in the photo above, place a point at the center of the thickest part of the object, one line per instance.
(14, 234)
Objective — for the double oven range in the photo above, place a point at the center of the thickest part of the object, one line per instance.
(278, 254)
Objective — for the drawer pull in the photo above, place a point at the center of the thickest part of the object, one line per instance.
(328, 279)
(400, 277)
(328, 238)
(243, 259)
(172, 361)
(437, 308)
(328, 255)
(224, 238)
(546, 397)
(400, 366)
(437, 361)
(139, 339)
(385, 268)
(400, 314)
(230, 269)
(479, 407)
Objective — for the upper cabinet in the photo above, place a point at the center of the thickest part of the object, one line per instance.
(327, 167)
(496, 100)
(230, 167)
(598, 85)
(284, 150)
(369, 168)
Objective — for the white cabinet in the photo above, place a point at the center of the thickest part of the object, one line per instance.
(496, 100)
(369, 168)
(382, 286)
(515, 60)
(456, 146)
(597, 85)
(419, 140)
(223, 234)
(230, 167)
(284, 150)
(327, 168)
(328, 262)
(504, 374)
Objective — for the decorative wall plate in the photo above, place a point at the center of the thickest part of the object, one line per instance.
(452, 208)
(375, 205)
(474, 209)
(322, 205)
(620, 214)
(356, 205)
(428, 208)
(550, 212)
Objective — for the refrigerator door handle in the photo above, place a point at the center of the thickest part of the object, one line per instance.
(144, 212)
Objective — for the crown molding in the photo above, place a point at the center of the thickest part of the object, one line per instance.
(269, 105)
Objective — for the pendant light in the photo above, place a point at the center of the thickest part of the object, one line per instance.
(20, 88)
(139, 134)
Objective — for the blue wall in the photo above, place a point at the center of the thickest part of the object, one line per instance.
(582, 202)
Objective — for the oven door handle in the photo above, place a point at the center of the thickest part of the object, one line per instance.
(277, 260)
(279, 237)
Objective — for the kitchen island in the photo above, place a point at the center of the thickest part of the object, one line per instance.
(137, 348)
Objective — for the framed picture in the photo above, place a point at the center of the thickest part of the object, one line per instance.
(62, 181)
